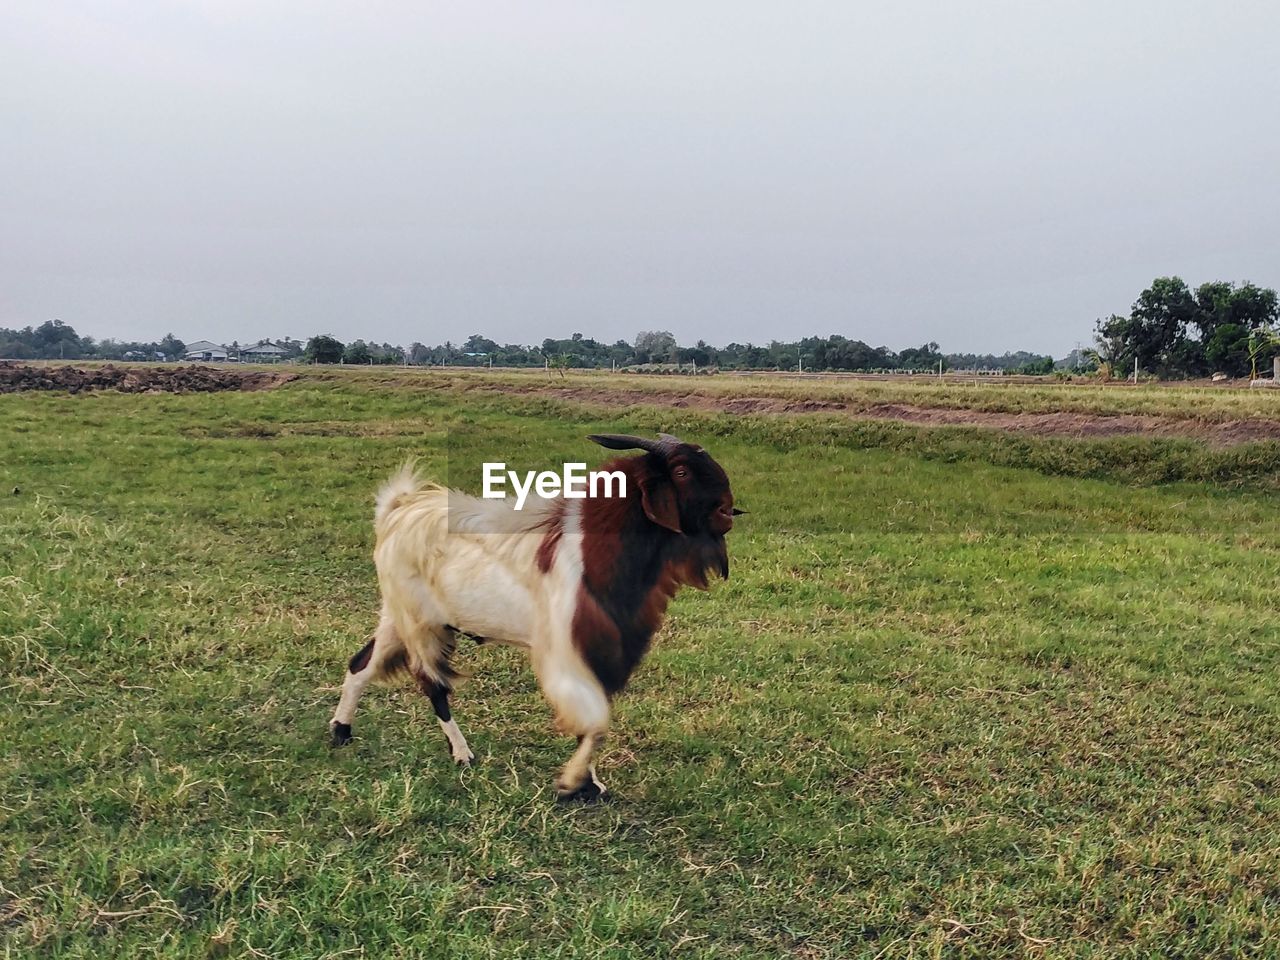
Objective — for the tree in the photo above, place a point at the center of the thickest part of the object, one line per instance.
(53, 338)
(323, 349)
(293, 348)
(1155, 333)
(1226, 314)
(924, 357)
(1038, 367)
(478, 344)
(1228, 349)
(1247, 305)
(16, 344)
(357, 352)
(1212, 308)
(1115, 344)
(700, 354)
(621, 353)
(1159, 327)
(1173, 332)
(654, 346)
(1264, 343)
(783, 356)
(172, 347)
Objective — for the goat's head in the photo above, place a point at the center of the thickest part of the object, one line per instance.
(682, 488)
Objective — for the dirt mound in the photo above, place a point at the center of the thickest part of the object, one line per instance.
(694, 401)
(17, 377)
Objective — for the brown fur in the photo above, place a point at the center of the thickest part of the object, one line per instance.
(632, 567)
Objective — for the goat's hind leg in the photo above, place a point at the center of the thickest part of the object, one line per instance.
(438, 694)
(436, 683)
(375, 657)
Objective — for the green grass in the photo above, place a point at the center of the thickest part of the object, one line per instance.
(965, 695)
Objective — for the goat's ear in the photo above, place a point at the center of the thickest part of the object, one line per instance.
(658, 497)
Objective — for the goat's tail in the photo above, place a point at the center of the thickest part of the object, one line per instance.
(401, 483)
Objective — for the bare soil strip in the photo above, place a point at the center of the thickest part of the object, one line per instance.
(1059, 424)
(18, 377)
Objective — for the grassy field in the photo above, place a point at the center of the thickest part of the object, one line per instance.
(1208, 403)
(966, 694)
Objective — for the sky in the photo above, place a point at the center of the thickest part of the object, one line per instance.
(991, 176)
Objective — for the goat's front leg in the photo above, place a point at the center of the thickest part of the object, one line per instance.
(582, 709)
(578, 780)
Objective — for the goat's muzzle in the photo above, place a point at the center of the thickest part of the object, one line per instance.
(722, 520)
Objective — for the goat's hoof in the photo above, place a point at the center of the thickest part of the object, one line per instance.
(587, 792)
(339, 734)
(466, 761)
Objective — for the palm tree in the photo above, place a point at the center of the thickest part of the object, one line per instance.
(1260, 338)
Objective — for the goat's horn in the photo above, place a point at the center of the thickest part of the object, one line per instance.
(676, 441)
(622, 441)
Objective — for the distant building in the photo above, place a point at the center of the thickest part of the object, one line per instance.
(204, 350)
(264, 351)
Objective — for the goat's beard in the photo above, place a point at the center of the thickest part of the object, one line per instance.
(706, 553)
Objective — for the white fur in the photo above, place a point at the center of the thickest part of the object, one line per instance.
(457, 742)
(445, 559)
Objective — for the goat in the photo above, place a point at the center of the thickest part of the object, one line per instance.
(583, 584)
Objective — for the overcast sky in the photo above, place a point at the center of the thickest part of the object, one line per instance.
(991, 176)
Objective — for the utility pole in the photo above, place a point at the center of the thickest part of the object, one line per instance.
(1135, 370)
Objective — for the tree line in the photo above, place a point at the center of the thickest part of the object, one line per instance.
(659, 350)
(655, 349)
(1172, 331)
(54, 340)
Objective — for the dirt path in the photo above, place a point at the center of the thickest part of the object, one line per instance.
(183, 378)
(167, 378)
(1059, 424)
